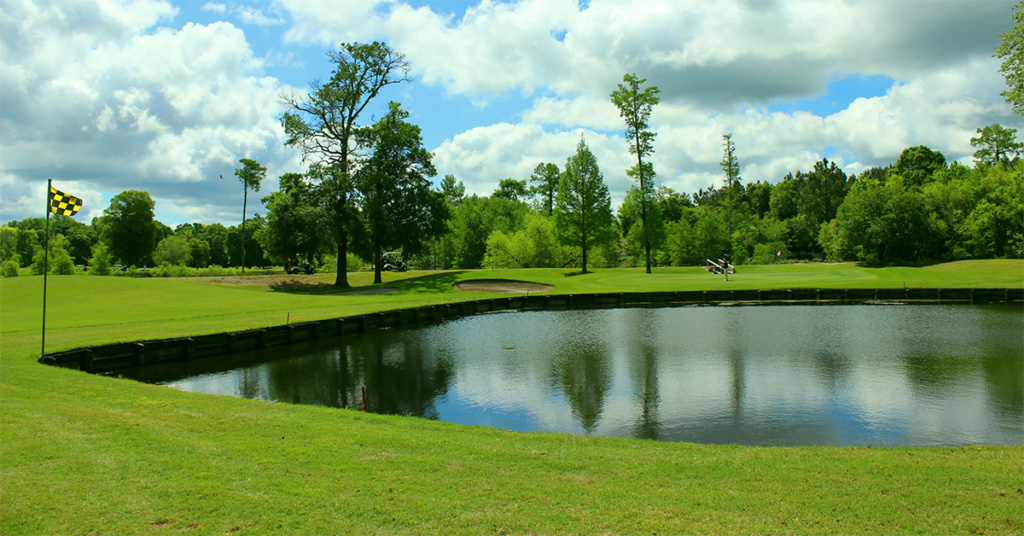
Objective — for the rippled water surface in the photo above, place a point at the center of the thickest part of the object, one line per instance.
(775, 375)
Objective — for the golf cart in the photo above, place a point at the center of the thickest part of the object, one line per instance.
(392, 262)
(294, 268)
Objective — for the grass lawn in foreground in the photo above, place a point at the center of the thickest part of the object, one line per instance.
(84, 454)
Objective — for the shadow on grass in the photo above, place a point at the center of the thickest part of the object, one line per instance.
(433, 283)
(298, 286)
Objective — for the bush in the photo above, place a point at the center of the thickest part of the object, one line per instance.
(100, 263)
(216, 271)
(132, 271)
(167, 269)
(9, 268)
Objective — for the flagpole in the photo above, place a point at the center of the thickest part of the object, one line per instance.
(46, 259)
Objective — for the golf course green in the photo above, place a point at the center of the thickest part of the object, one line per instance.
(90, 454)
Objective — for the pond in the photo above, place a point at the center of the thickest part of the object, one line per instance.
(886, 375)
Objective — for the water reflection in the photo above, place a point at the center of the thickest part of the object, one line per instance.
(857, 375)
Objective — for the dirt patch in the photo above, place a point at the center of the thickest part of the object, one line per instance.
(500, 285)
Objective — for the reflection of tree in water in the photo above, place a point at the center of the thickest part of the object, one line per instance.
(738, 385)
(930, 375)
(645, 379)
(585, 379)
(1005, 380)
(643, 360)
(399, 377)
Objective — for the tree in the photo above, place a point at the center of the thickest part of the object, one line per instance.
(546, 176)
(172, 250)
(399, 208)
(512, 189)
(533, 245)
(100, 262)
(822, 192)
(453, 190)
(298, 227)
(635, 104)
(1011, 50)
(996, 145)
(730, 164)
(323, 125)
(917, 165)
(8, 243)
(251, 174)
(129, 229)
(583, 211)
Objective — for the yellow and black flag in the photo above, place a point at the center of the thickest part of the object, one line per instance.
(63, 204)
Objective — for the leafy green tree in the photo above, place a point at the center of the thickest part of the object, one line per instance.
(917, 165)
(533, 245)
(512, 189)
(637, 236)
(298, 227)
(59, 261)
(730, 164)
(198, 253)
(216, 235)
(1011, 50)
(453, 190)
(9, 268)
(997, 145)
(254, 255)
(583, 211)
(399, 208)
(172, 250)
(130, 230)
(822, 191)
(545, 181)
(323, 125)
(475, 219)
(251, 174)
(101, 261)
(635, 104)
(8, 243)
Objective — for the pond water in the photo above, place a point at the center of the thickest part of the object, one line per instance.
(888, 375)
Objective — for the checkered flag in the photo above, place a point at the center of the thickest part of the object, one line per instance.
(63, 204)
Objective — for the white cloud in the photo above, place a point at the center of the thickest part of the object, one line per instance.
(119, 104)
(215, 7)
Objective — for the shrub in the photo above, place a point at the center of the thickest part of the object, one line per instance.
(9, 268)
(100, 263)
(167, 269)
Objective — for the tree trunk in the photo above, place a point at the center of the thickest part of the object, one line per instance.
(376, 264)
(245, 199)
(342, 279)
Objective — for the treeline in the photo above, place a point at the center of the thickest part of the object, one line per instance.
(917, 210)
(127, 238)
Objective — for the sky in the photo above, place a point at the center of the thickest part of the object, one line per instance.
(104, 96)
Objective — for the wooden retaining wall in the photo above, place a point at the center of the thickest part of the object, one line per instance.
(110, 357)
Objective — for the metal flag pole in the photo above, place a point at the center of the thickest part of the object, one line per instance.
(46, 259)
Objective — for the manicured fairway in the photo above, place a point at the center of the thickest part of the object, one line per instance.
(84, 454)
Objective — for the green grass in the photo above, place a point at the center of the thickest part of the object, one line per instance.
(84, 454)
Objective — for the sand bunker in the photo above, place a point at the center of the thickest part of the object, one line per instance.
(500, 285)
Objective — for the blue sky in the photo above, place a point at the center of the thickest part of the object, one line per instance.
(164, 96)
